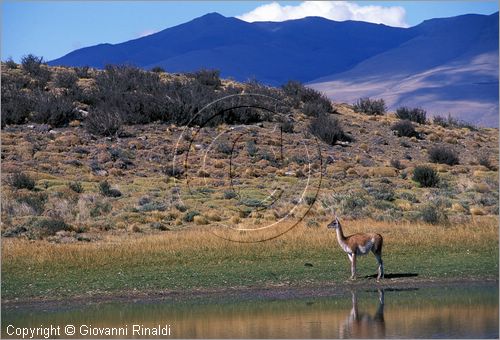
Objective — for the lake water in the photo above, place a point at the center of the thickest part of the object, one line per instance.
(453, 312)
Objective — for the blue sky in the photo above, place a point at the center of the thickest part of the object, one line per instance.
(52, 29)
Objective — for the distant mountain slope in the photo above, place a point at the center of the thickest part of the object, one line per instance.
(272, 52)
(444, 65)
(450, 66)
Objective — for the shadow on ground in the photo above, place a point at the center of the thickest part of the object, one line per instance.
(393, 275)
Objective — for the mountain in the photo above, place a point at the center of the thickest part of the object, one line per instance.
(450, 66)
(444, 65)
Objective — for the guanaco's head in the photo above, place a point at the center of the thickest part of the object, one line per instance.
(334, 224)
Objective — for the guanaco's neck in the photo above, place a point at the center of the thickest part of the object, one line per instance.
(340, 235)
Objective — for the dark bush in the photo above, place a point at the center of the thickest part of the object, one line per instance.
(230, 194)
(426, 176)
(35, 200)
(224, 148)
(208, 77)
(158, 69)
(372, 107)
(52, 109)
(66, 79)
(32, 64)
(10, 64)
(317, 108)
(328, 129)
(252, 148)
(443, 155)
(404, 128)
(416, 115)
(432, 213)
(315, 103)
(287, 126)
(173, 171)
(189, 216)
(76, 187)
(20, 180)
(106, 190)
(396, 163)
(485, 161)
(17, 104)
(103, 123)
(82, 72)
(450, 122)
(49, 226)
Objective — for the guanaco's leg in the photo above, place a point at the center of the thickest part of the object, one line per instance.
(352, 257)
(380, 268)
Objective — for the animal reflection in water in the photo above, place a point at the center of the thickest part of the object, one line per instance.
(362, 324)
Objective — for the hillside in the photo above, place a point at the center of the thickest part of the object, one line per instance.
(162, 176)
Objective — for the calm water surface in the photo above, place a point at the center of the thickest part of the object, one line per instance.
(470, 312)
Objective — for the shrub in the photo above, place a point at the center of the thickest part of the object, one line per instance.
(34, 201)
(404, 128)
(252, 148)
(20, 180)
(315, 103)
(103, 123)
(328, 129)
(10, 64)
(32, 64)
(416, 115)
(317, 108)
(450, 122)
(443, 155)
(16, 104)
(287, 126)
(432, 213)
(189, 216)
(484, 160)
(383, 193)
(173, 171)
(76, 187)
(49, 226)
(372, 107)
(426, 176)
(106, 190)
(66, 79)
(230, 194)
(52, 109)
(396, 163)
(208, 77)
(224, 148)
(158, 69)
(82, 72)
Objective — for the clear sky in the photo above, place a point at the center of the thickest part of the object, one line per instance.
(54, 28)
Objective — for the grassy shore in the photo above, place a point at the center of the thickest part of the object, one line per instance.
(195, 259)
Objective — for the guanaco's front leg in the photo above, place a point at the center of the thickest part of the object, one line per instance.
(352, 257)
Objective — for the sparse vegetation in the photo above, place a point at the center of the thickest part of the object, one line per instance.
(416, 115)
(451, 122)
(371, 107)
(443, 155)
